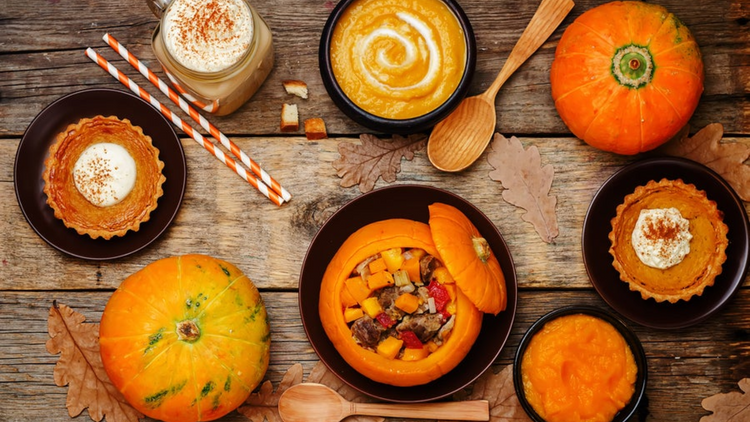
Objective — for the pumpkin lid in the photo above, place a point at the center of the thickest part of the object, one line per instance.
(468, 257)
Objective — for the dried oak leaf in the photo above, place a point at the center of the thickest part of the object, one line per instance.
(374, 158)
(497, 389)
(80, 367)
(322, 375)
(264, 404)
(526, 183)
(727, 159)
(733, 406)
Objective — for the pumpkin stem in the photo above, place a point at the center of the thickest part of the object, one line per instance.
(633, 66)
(481, 248)
(188, 331)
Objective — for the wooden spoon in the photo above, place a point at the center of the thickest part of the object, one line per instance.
(316, 402)
(456, 142)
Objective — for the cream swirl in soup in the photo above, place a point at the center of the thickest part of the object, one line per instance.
(397, 59)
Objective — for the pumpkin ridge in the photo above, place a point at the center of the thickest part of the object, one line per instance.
(605, 39)
(683, 70)
(666, 98)
(641, 118)
(145, 367)
(599, 114)
(229, 370)
(217, 296)
(582, 86)
(124, 289)
(663, 24)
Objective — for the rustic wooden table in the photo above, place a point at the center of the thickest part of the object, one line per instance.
(42, 58)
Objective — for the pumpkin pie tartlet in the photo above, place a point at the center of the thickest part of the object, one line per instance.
(103, 177)
(668, 241)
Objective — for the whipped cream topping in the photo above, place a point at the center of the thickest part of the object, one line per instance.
(208, 35)
(661, 237)
(104, 174)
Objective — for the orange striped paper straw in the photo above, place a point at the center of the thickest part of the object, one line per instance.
(197, 117)
(210, 146)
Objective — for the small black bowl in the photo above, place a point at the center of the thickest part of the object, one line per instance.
(411, 202)
(405, 126)
(635, 346)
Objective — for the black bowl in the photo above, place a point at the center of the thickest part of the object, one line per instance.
(606, 280)
(411, 202)
(34, 149)
(405, 126)
(635, 346)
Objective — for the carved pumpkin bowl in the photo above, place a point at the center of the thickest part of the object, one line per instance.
(403, 202)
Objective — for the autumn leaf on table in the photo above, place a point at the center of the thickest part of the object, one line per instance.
(321, 375)
(727, 159)
(375, 158)
(726, 407)
(80, 368)
(526, 183)
(498, 390)
(264, 404)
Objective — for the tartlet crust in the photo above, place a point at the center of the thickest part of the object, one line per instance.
(73, 208)
(707, 248)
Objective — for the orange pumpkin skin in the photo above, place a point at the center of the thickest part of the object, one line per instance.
(627, 76)
(368, 241)
(185, 338)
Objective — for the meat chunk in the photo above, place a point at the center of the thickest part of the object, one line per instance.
(387, 298)
(425, 326)
(366, 331)
(427, 266)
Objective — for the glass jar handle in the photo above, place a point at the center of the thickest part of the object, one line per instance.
(158, 6)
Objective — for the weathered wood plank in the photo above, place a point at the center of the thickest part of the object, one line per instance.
(40, 68)
(223, 216)
(684, 365)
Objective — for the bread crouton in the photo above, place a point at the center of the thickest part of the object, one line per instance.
(289, 118)
(315, 128)
(295, 87)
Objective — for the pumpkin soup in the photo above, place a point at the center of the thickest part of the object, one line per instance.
(398, 60)
(578, 368)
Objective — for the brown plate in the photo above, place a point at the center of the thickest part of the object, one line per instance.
(606, 279)
(402, 201)
(34, 148)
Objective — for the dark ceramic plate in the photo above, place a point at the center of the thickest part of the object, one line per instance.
(606, 279)
(635, 346)
(33, 150)
(402, 201)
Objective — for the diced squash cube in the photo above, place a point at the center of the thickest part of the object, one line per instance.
(351, 314)
(411, 266)
(379, 280)
(431, 346)
(443, 276)
(407, 303)
(411, 355)
(389, 347)
(451, 308)
(377, 266)
(357, 288)
(417, 253)
(393, 259)
(347, 300)
(372, 307)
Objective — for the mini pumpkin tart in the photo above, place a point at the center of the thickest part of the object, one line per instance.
(103, 177)
(391, 306)
(668, 241)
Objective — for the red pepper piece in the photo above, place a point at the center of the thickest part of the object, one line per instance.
(411, 341)
(440, 294)
(385, 320)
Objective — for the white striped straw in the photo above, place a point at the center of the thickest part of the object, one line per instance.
(210, 146)
(197, 117)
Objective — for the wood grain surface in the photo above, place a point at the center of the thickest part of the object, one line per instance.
(42, 45)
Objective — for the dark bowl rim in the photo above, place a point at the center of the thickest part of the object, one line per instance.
(743, 246)
(397, 126)
(632, 340)
(509, 312)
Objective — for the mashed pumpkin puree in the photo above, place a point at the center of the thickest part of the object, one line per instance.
(398, 59)
(578, 368)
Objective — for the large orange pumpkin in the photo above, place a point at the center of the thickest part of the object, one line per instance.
(627, 76)
(371, 240)
(185, 338)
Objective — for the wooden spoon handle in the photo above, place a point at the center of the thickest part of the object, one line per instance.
(547, 18)
(475, 410)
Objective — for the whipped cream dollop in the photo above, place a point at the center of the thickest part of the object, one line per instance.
(208, 35)
(104, 174)
(661, 237)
